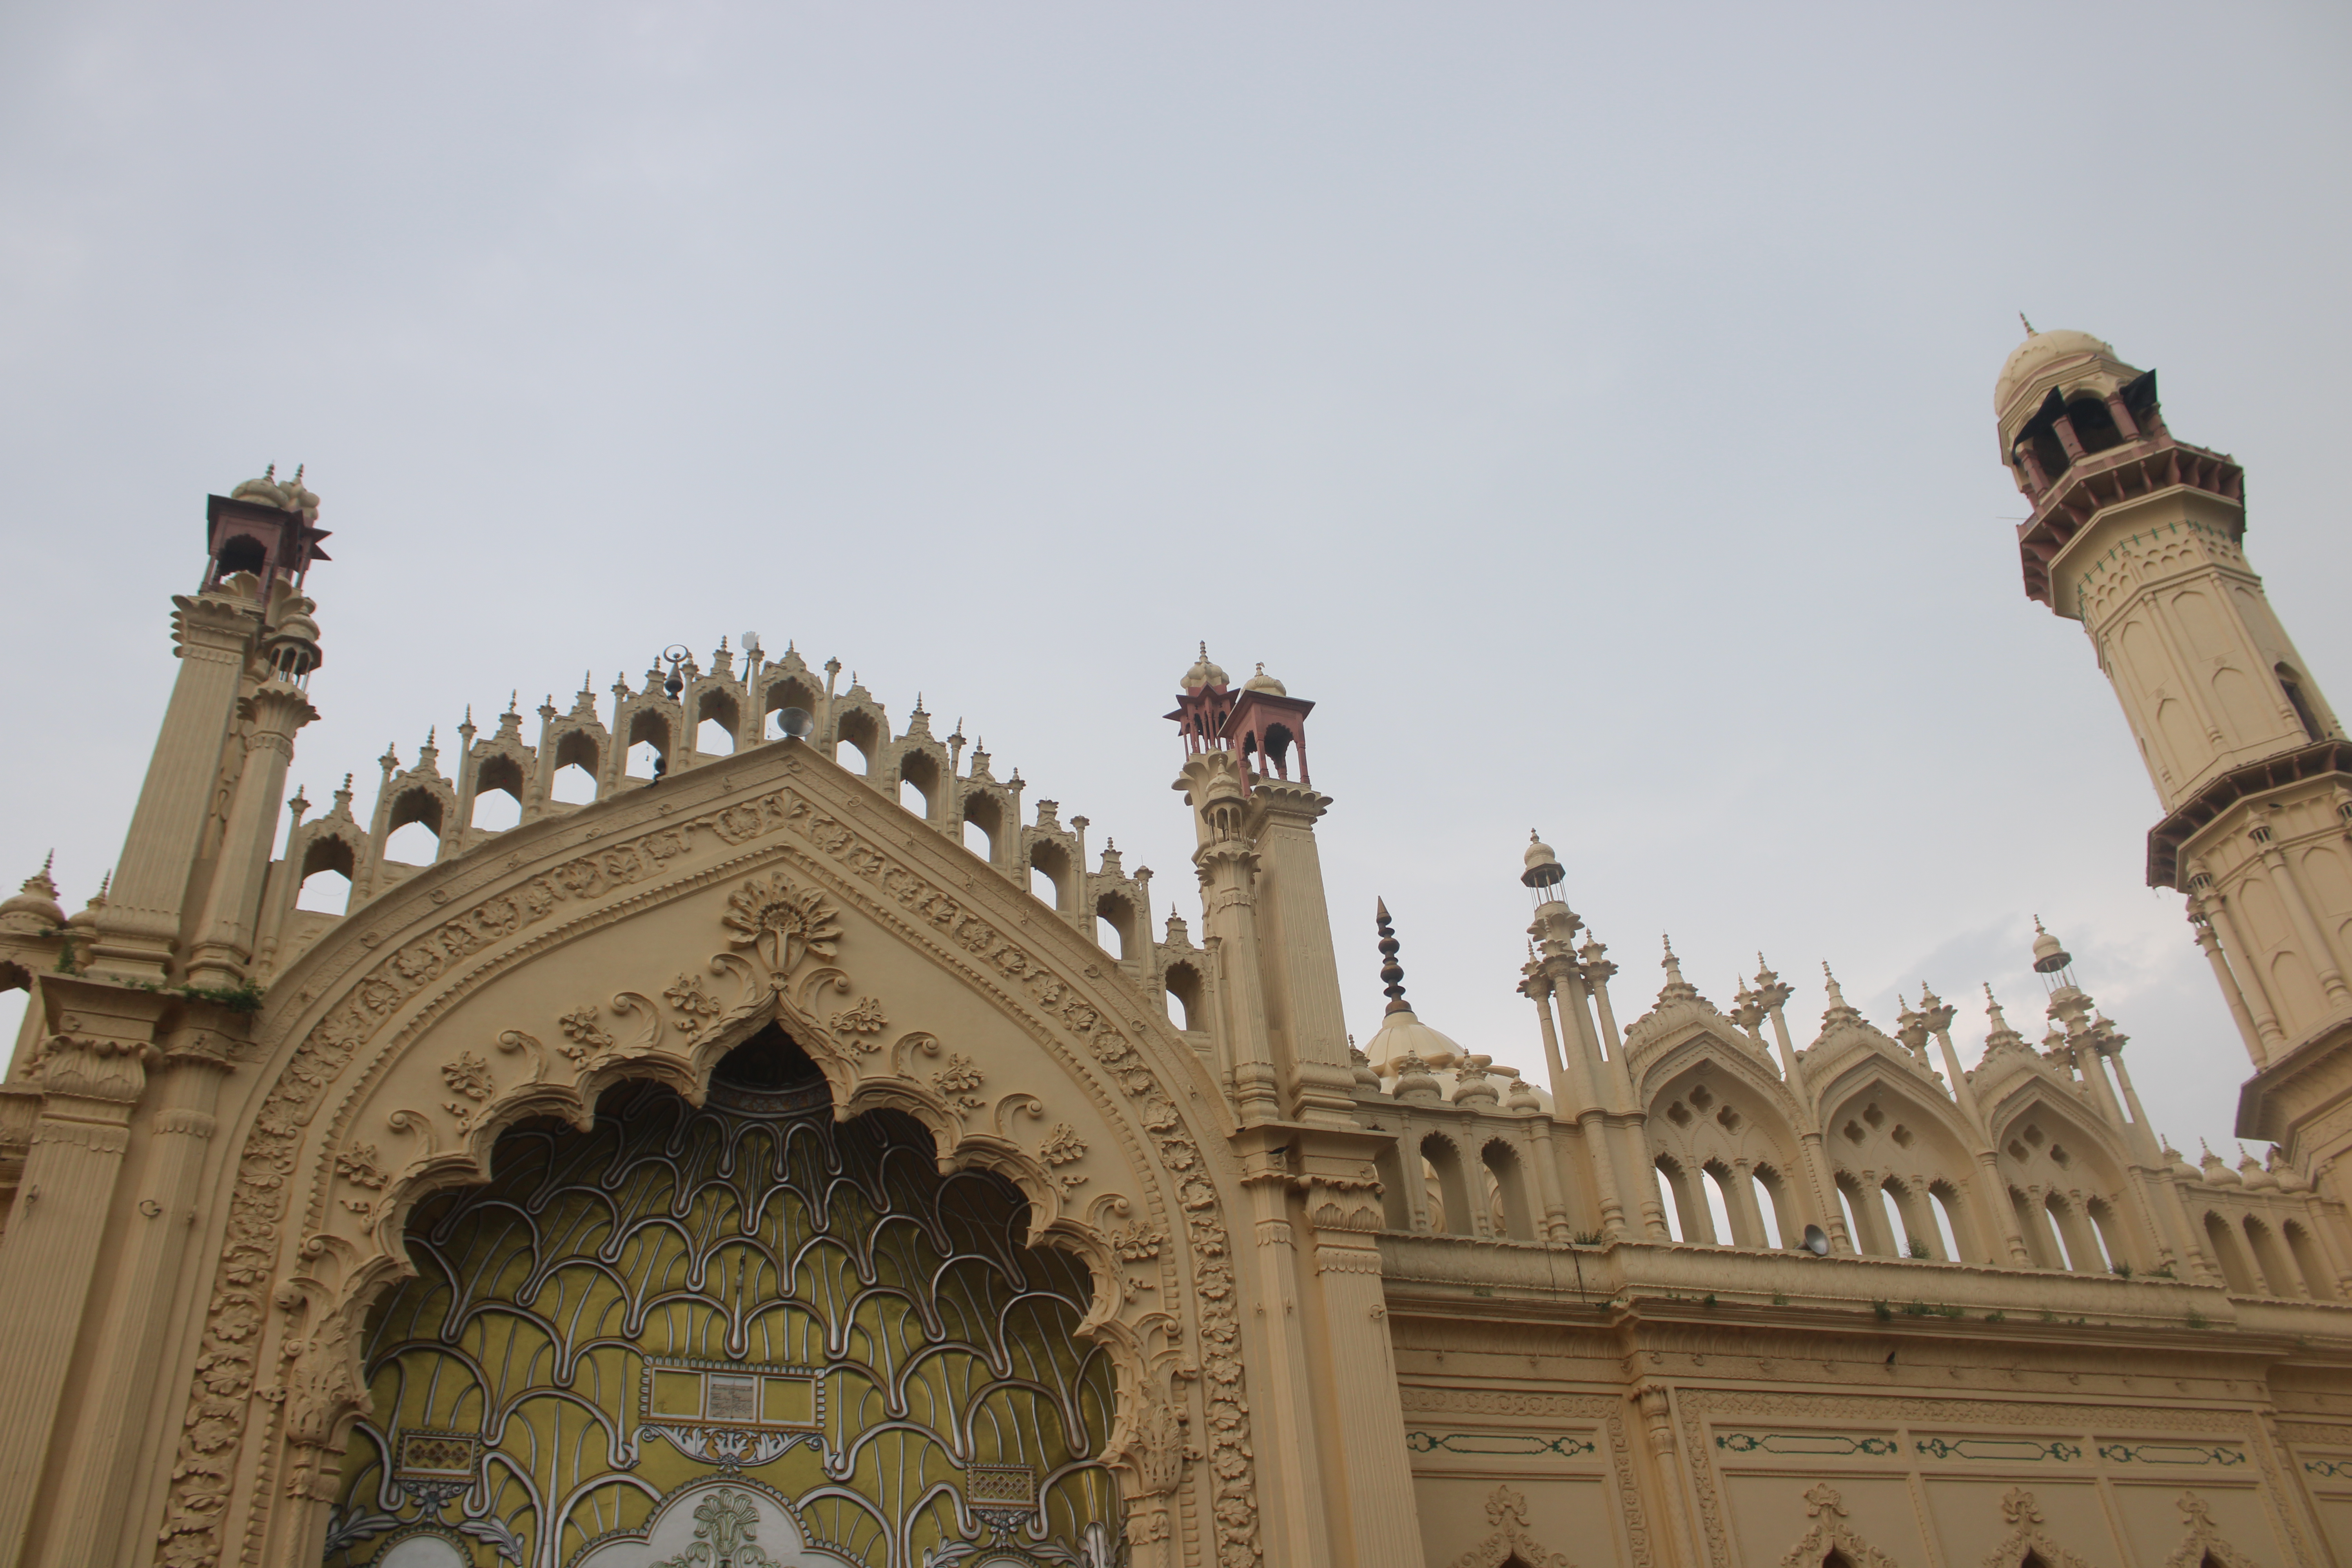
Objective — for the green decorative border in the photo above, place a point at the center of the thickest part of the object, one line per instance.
(1508, 1445)
(2002, 1448)
(2170, 1454)
(1804, 1444)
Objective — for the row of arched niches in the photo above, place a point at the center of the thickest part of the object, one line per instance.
(730, 1337)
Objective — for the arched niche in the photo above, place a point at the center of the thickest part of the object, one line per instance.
(642, 938)
(749, 1319)
(1905, 1145)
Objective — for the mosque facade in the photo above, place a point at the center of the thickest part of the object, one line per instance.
(734, 1169)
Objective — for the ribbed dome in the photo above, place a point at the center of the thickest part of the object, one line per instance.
(1401, 1032)
(1262, 681)
(2039, 350)
(1203, 673)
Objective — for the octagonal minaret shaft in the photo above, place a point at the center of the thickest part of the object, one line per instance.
(2140, 537)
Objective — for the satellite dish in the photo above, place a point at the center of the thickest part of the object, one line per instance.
(1816, 1242)
(752, 645)
(798, 724)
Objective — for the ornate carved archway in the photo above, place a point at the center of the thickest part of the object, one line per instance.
(795, 1334)
(642, 940)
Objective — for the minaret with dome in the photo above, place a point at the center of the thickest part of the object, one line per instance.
(2140, 537)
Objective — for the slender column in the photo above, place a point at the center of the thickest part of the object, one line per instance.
(1772, 995)
(2257, 993)
(2322, 953)
(2240, 1014)
(87, 1524)
(1537, 989)
(141, 923)
(91, 1077)
(225, 940)
(1558, 1230)
(1230, 912)
(1740, 1198)
(1658, 1423)
(1937, 1015)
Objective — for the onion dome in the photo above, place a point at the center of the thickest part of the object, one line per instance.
(2049, 954)
(1543, 866)
(2036, 353)
(36, 906)
(2217, 1169)
(2179, 1164)
(1204, 673)
(265, 491)
(1523, 1095)
(2251, 1172)
(1262, 681)
(2289, 1179)
(1402, 1035)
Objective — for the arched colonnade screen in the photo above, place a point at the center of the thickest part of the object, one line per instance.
(737, 1336)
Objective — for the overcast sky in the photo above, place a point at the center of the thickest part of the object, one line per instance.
(1587, 407)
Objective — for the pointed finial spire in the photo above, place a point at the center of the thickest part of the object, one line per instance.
(1829, 982)
(1992, 1011)
(1204, 648)
(1391, 972)
(2027, 325)
(1670, 963)
(105, 884)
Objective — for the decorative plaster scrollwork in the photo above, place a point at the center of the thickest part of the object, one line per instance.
(359, 1164)
(1506, 1514)
(781, 922)
(958, 1083)
(469, 1075)
(1830, 1532)
(580, 1027)
(687, 995)
(862, 1024)
(2203, 1543)
(2026, 1536)
(784, 927)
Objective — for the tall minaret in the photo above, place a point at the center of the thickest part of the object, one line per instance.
(2140, 538)
(187, 890)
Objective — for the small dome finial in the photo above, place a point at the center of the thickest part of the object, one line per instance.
(2027, 325)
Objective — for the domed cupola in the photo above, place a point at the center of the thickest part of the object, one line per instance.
(1204, 673)
(34, 906)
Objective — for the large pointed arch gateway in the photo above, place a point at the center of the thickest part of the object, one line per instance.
(644, 941)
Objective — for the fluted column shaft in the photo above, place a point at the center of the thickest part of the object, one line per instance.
(84, 1524)
(2231, 992)
(2255, 989)
(224, 932)
(90, 1078)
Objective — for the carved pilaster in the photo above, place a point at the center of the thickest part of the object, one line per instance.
(92, 1072)
(225, 930)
